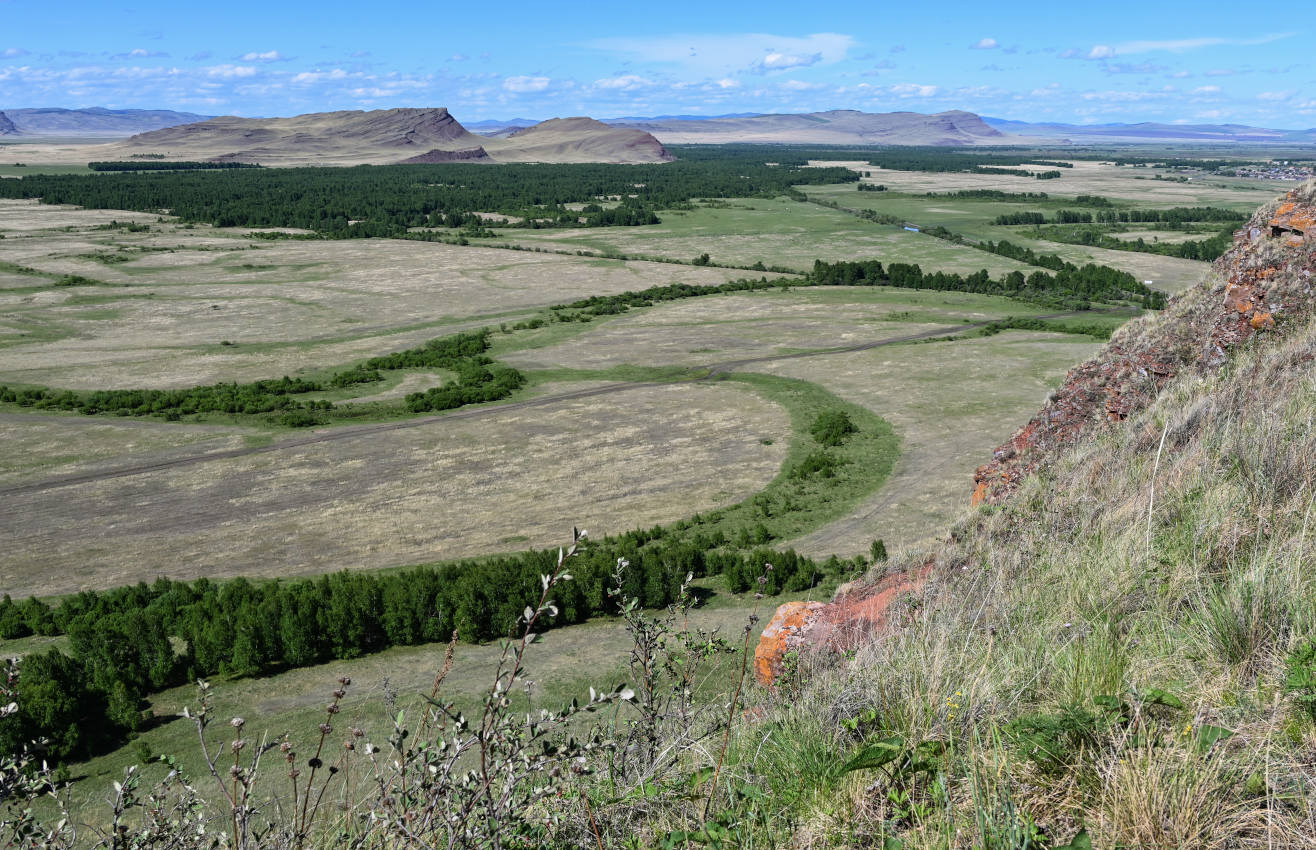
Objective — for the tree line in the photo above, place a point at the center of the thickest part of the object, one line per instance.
(1173, 216)
(381, 201)
(160, 165)
(479, 380)
(1207, 250)
(1071, 286)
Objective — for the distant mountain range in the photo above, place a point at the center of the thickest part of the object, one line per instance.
(835, 127)
(380, 137)
(104, 123)
(1153, 132)
(432, 135)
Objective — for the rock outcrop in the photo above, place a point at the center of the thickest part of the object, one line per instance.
(7, 127)
(475, 154)
(844, 623)
(1265, 280)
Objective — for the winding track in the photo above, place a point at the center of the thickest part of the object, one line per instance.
(713, 371)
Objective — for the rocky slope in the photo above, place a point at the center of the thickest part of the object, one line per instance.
(836, 127)
(383, 137)
(1256, 290)
(7, 127)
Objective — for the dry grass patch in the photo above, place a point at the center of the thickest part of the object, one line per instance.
(38, 447)
(435, 491)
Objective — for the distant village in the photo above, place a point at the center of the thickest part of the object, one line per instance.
(1279, 170)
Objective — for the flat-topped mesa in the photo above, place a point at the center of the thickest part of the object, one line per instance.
(1262, 283)
(388, 136)
(1265, 277)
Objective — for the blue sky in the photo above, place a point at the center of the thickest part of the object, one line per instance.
(1204, 61)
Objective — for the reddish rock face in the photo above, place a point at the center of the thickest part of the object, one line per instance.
(1267, 279)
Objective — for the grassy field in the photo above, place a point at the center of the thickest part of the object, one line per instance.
(174, 296)
(776, 232)
(1128, 187)
(444, 489)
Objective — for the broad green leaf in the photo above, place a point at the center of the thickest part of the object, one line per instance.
(1208, 735)
(875, 755)
(1156, 696)
(1080, 842)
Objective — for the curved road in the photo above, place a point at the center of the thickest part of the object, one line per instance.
(714, 371)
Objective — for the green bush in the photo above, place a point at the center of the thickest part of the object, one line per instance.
(832, 427)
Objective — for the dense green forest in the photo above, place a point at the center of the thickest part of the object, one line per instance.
(372, 201)
(133, 641)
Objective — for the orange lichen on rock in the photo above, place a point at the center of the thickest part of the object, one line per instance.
(782, 636)
(845, 623)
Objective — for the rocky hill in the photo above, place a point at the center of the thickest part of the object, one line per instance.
(836, 127)
(1124, 627)
(382, 137)
(7, 127)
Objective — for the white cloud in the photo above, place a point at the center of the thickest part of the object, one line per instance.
(785, 61)
(267, 56)
(913, 90)
(13, 52)
(800, 85)
(231, 71)
(717, 54)
(626, 82)
(727, 83)
(306, 77)
(140, 53)
(986, 44)
(1275, 95)
(1101, 51)
(1206, 90)
(524, 84)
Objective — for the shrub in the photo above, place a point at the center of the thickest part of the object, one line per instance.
(832, 427)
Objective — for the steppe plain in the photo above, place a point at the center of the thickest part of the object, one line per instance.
(622, 422)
